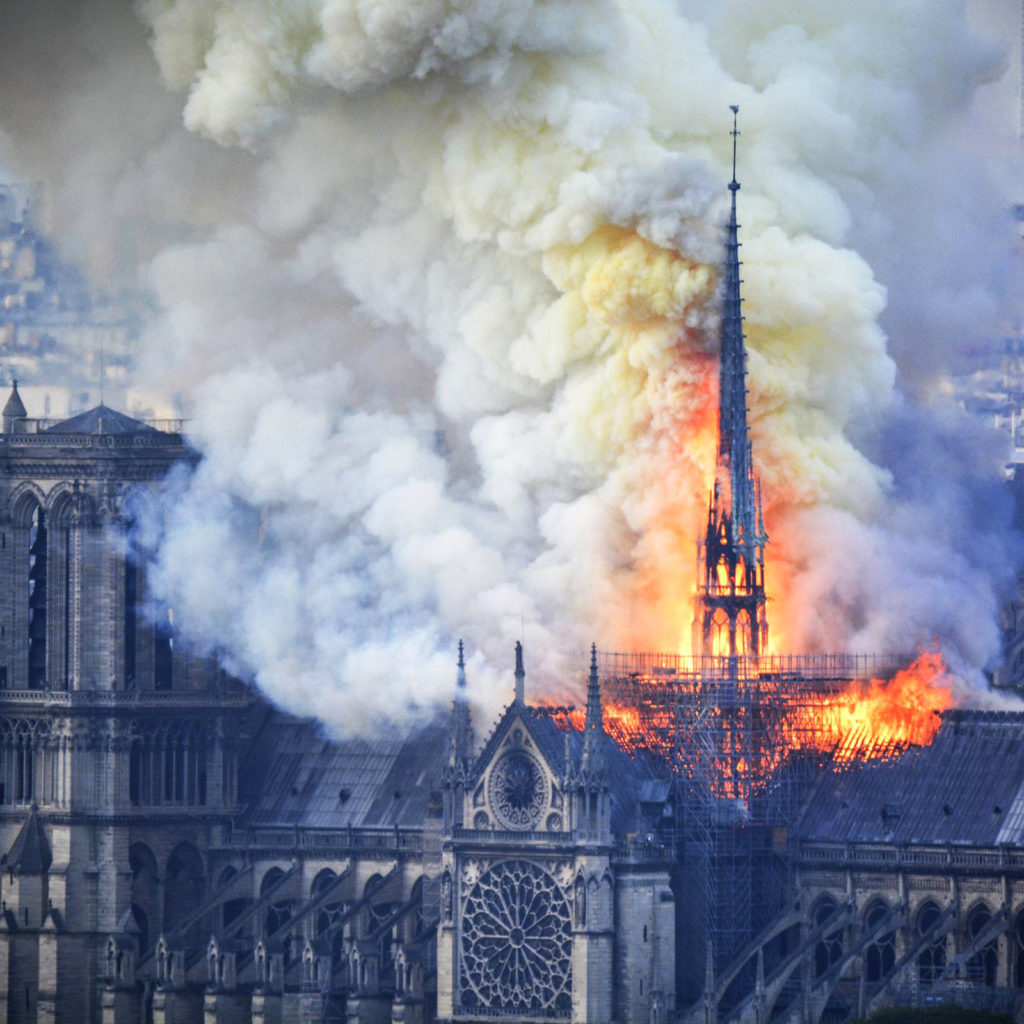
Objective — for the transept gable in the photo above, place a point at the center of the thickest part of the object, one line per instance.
(517, 784)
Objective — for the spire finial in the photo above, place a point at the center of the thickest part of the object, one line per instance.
(734, 184)
(520, 675)
(461, 678)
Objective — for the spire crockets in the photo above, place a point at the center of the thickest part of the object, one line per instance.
(730, 616)
(593, 726)
(520, 675)
(461, 738)
(460, 744)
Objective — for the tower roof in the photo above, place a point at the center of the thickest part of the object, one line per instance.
(30, 854)
(15, 407)
(101, 420)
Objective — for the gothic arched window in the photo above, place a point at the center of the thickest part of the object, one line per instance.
(931, 961)
(830, 947)
(981, 967)
(880, 956)
(37, 573)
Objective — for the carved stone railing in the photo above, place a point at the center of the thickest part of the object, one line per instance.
(357, 840)
(889, 856)
(124, 698)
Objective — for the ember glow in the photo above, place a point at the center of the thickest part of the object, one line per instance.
(733, 733)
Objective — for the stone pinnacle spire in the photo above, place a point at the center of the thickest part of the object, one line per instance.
(730, 617)
(461, 729)
(593, 727)
(520, 675)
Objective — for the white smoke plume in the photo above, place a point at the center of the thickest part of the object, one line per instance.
(436, 283)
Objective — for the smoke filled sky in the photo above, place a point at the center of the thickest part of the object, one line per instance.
(436, 283)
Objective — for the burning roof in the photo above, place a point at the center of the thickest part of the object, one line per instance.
(967, 786)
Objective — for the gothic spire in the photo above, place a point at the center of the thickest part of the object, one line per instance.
(730, 615)
(733, 441)
(461, 738)
(14, 410)
(593, 727)
(520, 675)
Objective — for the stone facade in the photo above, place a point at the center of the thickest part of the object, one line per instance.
(531, 825)
(92, 687)
(175, 850)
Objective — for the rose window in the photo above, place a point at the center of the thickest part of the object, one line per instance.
(517, 944)
(517, 790)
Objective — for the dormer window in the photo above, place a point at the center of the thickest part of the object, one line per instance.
(891, 815)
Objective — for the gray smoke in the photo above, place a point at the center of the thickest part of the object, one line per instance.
(434, 287)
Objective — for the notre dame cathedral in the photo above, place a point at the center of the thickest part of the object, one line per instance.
(174, 850)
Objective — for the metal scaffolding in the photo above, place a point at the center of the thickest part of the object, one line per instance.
(743, 737)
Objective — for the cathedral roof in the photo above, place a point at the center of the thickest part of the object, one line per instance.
(966, 787)
(101, 420)
(30, 854)
(295, 775)
(301, 777)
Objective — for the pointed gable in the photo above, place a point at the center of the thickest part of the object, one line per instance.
(540, 733)
(516, 784)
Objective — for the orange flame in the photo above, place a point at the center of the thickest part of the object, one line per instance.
(862, 720)
(871, 718)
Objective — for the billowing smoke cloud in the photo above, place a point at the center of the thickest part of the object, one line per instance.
(439, 291)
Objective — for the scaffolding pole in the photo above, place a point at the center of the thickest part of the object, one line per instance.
(743, 737)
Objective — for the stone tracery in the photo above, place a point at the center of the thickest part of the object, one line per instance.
(517, 943)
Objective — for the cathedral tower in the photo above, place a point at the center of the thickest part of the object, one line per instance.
(118, 738)
(730, 615)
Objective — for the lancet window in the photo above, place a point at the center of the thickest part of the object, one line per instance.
(33, 764)
(931, 962)
(37, 579)
(168, 766)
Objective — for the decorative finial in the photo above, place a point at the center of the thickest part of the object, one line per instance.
(734, 184)
(520, 675)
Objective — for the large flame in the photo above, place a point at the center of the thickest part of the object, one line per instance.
(736, 734)
(875, 716)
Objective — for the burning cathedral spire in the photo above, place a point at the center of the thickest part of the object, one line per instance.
(730, 610)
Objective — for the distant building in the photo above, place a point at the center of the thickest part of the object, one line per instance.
(52, 328)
